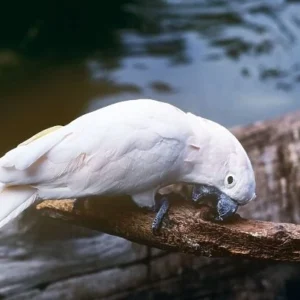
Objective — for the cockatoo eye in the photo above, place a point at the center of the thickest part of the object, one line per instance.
(230, 181)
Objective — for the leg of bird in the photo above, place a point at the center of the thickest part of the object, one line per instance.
(161, 206)
(154, 201)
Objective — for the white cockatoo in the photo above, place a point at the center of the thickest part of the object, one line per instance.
(134, 148)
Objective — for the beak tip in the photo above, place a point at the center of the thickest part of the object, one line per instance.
(227, 207)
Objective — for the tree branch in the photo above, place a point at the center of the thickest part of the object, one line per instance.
(185, 229)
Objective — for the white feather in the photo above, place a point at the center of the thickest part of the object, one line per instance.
(133, 147)
(23, 156)
(15, 200)
(114, 150)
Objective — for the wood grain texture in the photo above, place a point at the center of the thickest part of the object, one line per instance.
(185, 230)
(274, 149)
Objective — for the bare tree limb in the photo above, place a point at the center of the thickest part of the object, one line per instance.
(185, 229)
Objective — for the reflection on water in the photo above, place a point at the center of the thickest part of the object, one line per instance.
(232, 61)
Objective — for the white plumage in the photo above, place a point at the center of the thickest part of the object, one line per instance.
(132, 147)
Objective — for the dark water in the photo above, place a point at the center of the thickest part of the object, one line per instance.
(232, 61)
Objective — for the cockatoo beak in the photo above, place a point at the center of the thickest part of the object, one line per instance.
(224, 205)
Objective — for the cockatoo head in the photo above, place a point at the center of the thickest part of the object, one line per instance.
(221, 164)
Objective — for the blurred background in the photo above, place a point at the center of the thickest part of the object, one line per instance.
(235, 62)
(232, 61)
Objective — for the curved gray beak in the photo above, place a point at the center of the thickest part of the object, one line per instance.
(224, 205)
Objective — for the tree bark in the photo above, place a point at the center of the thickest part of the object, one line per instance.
(274, 149)
(185, 230)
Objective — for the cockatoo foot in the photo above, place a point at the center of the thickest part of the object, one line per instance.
(162, 206)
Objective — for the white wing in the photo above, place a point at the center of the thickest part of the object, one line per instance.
(128, 147)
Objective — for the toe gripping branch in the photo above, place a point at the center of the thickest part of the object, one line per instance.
(162, 206)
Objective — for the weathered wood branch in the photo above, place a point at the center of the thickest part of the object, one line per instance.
(185, 230)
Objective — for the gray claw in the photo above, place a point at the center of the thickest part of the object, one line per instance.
(162, 207)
